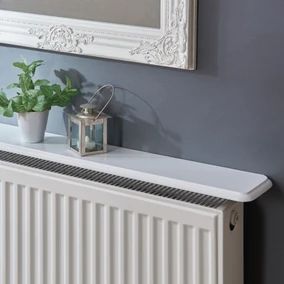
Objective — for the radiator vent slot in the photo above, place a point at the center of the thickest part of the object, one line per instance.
(109, 179)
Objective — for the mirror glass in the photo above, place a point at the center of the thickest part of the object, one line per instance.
(145, 13)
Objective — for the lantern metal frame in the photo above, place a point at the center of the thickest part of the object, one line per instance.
(83, 121)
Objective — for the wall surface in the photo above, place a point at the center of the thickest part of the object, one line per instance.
(230, 112)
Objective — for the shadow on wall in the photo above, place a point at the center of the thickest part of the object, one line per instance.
(123, 111)
(80, 83)
(256, 242)
(254, 245)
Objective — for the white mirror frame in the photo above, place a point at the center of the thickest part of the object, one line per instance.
(172, 45)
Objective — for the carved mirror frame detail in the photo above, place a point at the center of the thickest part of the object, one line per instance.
(172, 45)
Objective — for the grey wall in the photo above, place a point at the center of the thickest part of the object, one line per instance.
(230, 112)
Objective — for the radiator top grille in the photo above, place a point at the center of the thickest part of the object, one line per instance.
(109, 179)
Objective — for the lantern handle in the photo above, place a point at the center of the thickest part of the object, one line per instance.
(109, 100)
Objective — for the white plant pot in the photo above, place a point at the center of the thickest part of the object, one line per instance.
(32, 126)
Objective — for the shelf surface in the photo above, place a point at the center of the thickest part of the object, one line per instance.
(197, 177)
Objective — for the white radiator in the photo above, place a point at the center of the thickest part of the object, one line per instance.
(70, 226)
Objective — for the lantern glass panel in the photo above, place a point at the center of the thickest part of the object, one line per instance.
(94, 138)
(74, 139)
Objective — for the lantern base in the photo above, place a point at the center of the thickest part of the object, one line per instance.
(84, 154)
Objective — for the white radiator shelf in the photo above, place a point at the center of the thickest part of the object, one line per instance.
(188, 175)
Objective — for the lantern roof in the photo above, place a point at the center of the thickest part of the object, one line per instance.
(89, 113)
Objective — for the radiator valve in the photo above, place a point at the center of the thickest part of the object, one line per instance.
(234, 219)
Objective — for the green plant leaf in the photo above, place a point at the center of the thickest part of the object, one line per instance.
(32, 93)
(17, 104)
(25, 82)
(57, 89)
(65, 97)
(21, 65)
(46, 90)
(41, 104)
(7, 111)
(48, 93)
(13, 86)
(29, 100)
(3, 99)
(41, 83)
(34, 65)
(68, 83)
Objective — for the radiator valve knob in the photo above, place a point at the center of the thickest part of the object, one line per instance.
(234, 220)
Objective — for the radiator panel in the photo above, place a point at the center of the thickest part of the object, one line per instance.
(56, 230)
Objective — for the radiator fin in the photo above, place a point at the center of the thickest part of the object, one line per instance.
(50, 238)
(109, 179)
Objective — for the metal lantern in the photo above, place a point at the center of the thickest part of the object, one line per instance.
(87, 130)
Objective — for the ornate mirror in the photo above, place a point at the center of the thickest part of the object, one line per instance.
(158, 32)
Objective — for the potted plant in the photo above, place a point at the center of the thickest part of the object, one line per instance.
(33, 101)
